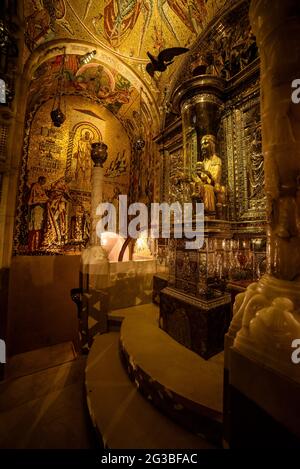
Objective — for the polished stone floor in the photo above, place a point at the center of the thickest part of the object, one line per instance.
(128, 420)
(42, 403)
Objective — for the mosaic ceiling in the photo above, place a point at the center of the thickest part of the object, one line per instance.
(123, 31)
(95, 81)
(129, 27)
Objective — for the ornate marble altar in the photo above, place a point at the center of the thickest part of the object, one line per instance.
(219, 126)
(194, 308)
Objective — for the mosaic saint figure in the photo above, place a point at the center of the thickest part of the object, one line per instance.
(56, 225)
(83, 171)
(120, 18)
(37, 203)
(42, 20)
(191, 12)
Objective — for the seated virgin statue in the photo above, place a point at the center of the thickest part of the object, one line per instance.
(206, 182)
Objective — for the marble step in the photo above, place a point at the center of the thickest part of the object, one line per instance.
(120, 414)
(179, 382)
(116, 317)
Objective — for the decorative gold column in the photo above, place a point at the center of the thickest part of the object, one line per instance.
(267, 316)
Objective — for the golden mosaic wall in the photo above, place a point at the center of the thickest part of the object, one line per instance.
(55, 186)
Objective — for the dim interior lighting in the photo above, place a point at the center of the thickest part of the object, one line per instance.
(141, 248)
(103, 241)
(140, 242)
(86, 58)
(112, 243)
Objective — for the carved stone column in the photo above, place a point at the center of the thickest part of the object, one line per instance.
(99, 156)
(95, 271)
(94, 254)
(270, 309)
(266, 318)
(277, 31)
(278, 34)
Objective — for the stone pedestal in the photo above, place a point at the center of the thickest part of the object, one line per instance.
(264, 406)
(199, 271)
(196, 323)
(194, 310)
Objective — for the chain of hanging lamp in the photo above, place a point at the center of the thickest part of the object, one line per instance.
(140, 142)
(57, 115)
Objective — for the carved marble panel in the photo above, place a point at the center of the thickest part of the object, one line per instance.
(242, 149)
(177, 189)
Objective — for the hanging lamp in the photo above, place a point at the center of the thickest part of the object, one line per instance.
(57, 115)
